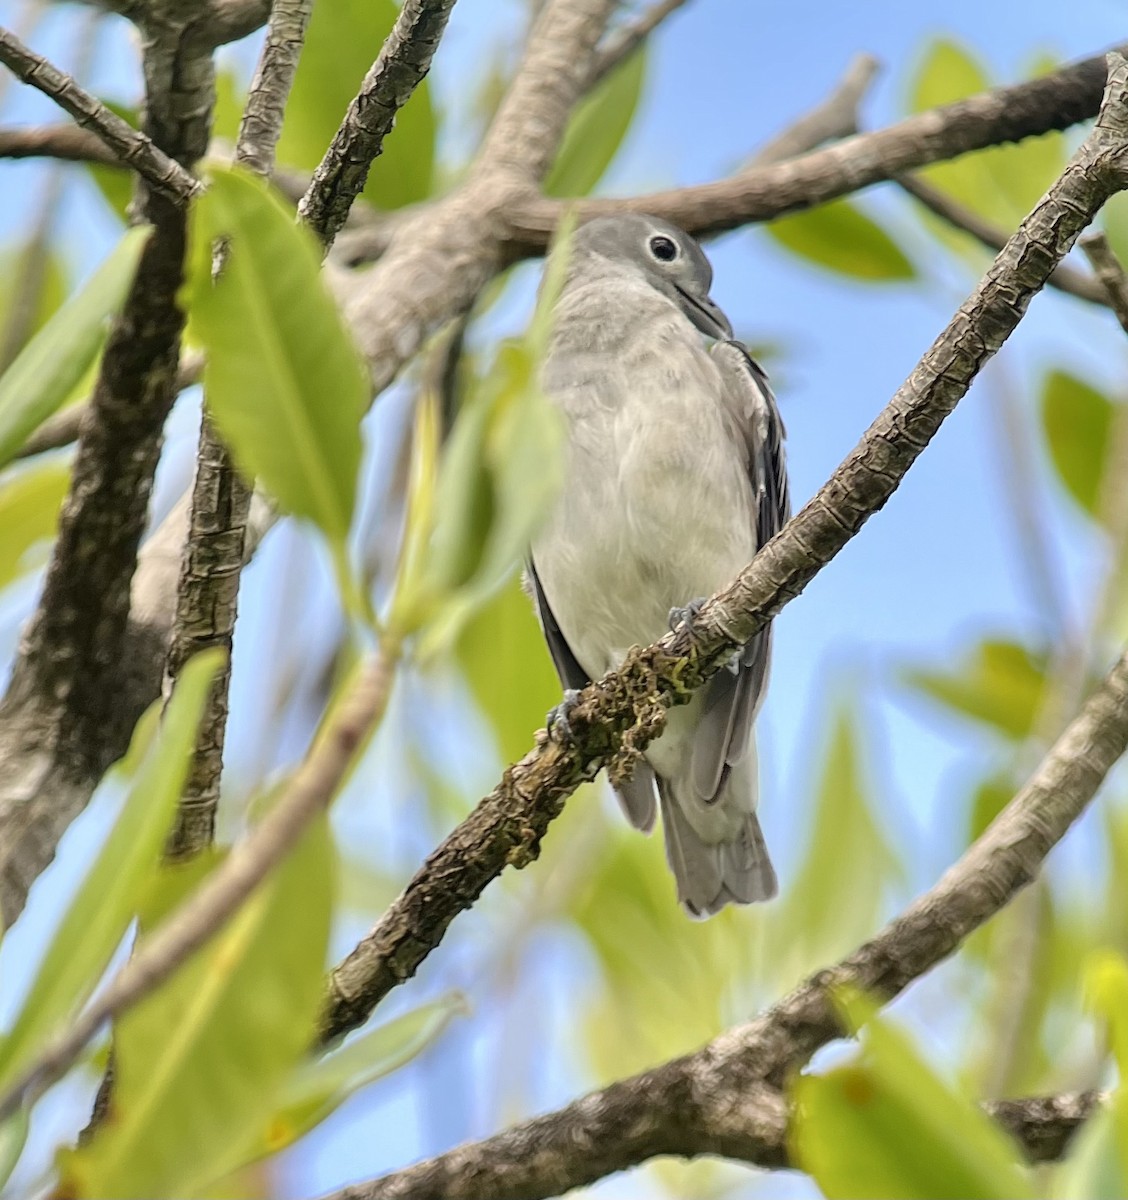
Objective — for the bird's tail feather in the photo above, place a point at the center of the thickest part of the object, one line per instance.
(734, 870)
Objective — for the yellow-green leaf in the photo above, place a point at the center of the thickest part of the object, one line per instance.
(886, 1125)
(283, 379)
(1077, 420)
(29, 513)
(342, 42)
(200, 1064)
(842, 238)
(597, 129)
(107, 899)
(1001, 684)
(52, 363)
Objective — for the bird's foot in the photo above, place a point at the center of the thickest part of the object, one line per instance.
(556, 722)
(686, 616)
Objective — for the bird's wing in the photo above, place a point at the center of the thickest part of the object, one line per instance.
(572, 675)
(733, 699)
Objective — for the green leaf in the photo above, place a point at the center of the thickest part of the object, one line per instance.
(230, 100)
(886, 1125)
(342, 42)
(1078, 422)
(823, 912)
(1093, 1169)
(200, 1064)
(317, 1089)
(52, 363)
(51, 294)
(1002, 183)
(840, 237)
(13, 1138)
(106, 901)
(29, 513)
(597, 129)
(1001, 685)
(503, 657)
(283, 379)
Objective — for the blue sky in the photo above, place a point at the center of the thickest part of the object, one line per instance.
(937, 567)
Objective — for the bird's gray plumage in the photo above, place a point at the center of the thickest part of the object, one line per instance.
(675, 479)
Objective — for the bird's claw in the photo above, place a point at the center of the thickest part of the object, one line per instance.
(686, 616)
(556, 722)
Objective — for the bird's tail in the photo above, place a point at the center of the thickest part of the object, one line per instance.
(716, 851)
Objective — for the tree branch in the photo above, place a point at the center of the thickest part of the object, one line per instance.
(1006, 114)
(131, 148)
(616, 717)
(399, 69)
(725, 1099)
(625, 40)
(223, 892)
(208, 591)
(1064, 277)
(57, 732)
(68, 142)
(1110, 274)
(836, 117)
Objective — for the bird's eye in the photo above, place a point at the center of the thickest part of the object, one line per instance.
(663, 248)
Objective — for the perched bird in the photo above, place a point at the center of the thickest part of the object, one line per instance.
(674, 479)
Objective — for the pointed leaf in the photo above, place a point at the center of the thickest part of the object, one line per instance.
(199, 1064)
(283, 379)
(1078, 422)
(105, 903)
(597, 129)
(1002, 685)
(52, 363)
(29, 514)
(887, 1125)
(841, 238)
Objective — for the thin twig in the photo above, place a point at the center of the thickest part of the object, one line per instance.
(132, 148)
(627, 38)
(66, 142)
(208, 593)
(399, 69)
(507, 826)
(1065, 278)
(726, 1098)
(1109, 272)
(223, 892)
(835, 117)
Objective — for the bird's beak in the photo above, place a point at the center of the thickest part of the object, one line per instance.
(704, 313)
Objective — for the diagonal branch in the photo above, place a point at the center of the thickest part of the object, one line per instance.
(208, 591)
(130, 147)
(507, 826)
(399, 69)
(1064, 277)
(626, 39)
(725, 1098)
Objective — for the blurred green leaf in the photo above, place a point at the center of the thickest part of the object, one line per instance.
(989, 799)
(13, 1138)
(115, 183)
(200, 1064)
(52, 363)
(886, 1125)
(51, 295)
(105, 903)
(230, 100)
(597, 129)
(283, 379)
(1092, 1170)
(1002, 183)
(1002, 684)
(823, 912)
(1077, 420)
(840, 237)
(29, 514)
(505, 662)
(317, 1089)
(341, 43)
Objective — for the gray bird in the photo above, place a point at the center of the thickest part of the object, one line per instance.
(675, 478)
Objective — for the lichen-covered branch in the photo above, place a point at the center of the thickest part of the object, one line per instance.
(623, 711)
(727, 1098)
